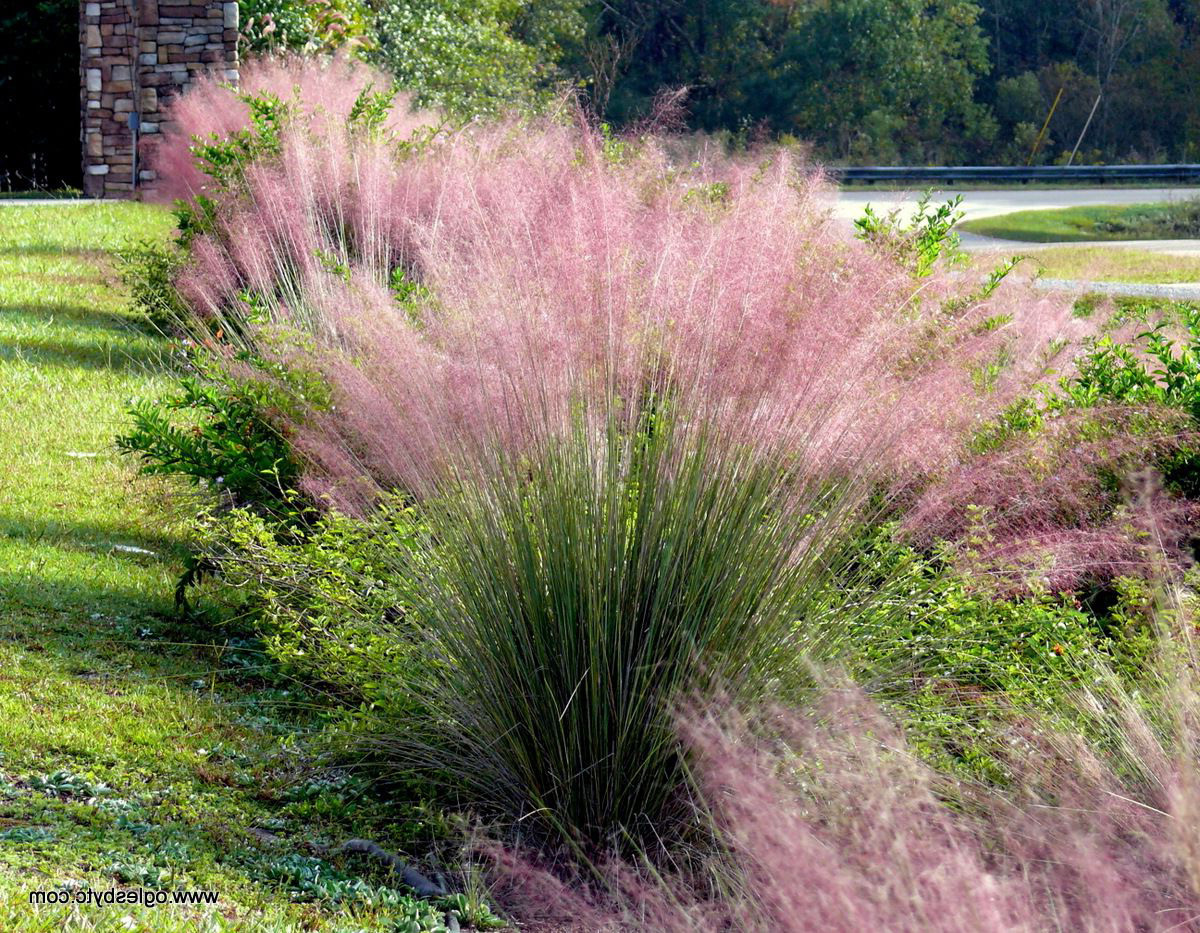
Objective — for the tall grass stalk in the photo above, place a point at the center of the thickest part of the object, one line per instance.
(581, 591)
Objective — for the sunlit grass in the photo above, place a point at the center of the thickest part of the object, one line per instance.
(1105, 264)
(99, 676)
(1079, 224)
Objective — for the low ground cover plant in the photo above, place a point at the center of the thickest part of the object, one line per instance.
(1168, 220)
(583, 436)
(1174, 220)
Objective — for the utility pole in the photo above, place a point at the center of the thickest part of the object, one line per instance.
(1038, 142)
(1085, 127)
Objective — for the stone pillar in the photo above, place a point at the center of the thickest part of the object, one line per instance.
(135, 56)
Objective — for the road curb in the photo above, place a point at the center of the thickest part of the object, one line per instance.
(1184, 291)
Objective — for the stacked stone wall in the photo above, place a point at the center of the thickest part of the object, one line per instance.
(136, 56)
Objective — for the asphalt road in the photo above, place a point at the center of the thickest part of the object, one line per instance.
(977, 204)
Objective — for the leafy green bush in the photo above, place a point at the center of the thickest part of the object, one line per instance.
(311, 27)
(918, 244)
(225, 159)
(328, 604)
(148, 271)
(220, 432)
(1157, 369)
(960, 658)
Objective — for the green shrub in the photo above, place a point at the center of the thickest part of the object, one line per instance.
(1155, 368)
(1158, 370)
(1173, 220)
(225, 159)
(327, 603)
(959, 659)
(918, 244)
(221, 433)
(148, 271)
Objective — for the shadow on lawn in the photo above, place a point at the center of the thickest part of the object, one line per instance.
(45, 248)
(81, 315)
(100, 538)
(112, 351)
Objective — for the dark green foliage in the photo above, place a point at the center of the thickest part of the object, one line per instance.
(219, 432)
(148, 271)
(861, 78)
(477, 57)
(878, 81)
(39, 95)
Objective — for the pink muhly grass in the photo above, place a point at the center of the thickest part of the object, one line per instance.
(325, 90)
(547, 280)
(1046, 508)
(830, 822)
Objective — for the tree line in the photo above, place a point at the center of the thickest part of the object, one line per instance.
(915, 81)
(861, 81)
(866, 81)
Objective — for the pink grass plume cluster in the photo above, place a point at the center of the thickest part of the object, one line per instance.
(478, 287)
(832, 823)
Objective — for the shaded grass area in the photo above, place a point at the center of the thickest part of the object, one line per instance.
(1166, 220)
(138, 748)
(41, 194)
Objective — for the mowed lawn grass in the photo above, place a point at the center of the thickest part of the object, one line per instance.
(126, 756)
(1104, 264)
(1072, 224)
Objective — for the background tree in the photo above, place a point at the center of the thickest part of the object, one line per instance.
(478, 56)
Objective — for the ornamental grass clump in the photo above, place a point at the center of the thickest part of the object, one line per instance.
(640, 410)
(830, 821)
(583, 588)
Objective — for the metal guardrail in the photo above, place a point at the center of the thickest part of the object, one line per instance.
(1099, 174)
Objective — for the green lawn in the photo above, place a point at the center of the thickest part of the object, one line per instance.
(1079, 224)
(133, 752)
(1109, 264)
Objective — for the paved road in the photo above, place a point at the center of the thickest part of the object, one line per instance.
(986, 204)
(977, 204)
